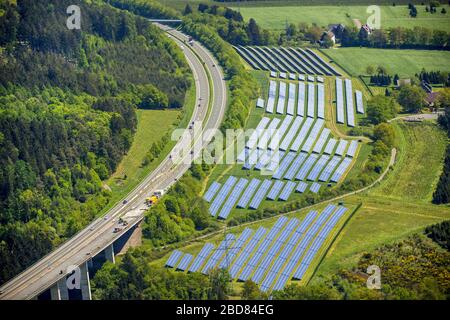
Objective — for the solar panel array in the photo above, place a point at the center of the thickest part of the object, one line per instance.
(248, 193)
(352, 149)
(330, 146)
(260, 194)
(213, 188)
(307, 165)
(260, 103)
(337, 175)
(254, 137)
(350, 106)
(339, 101)
(272, 96)
(322, 140)
(315, 187)
(341, 147)
(291, 100)
(276, 189)
(221, 196)
(296, 164)
(359, 102)
(301, 187)
(269, 258)
(318, 167)
(287, 191)
(301, 99)
(321, 101)
(268, 133)
(311, 101)
(313, 135)
(281, 98)
(275, 143)
(233, 198)
(302, 134)
(286, 142)
(290, 156)
(329, 168)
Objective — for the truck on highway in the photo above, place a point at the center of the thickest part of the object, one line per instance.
(191, 41)
(154, 198)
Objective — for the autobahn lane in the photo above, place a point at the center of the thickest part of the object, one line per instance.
(98, 234)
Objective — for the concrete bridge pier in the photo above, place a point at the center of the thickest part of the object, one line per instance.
(109, 253)
(85, 284)
(59, 290)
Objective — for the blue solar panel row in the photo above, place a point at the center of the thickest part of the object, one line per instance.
(341, 170)
(341, 147)
(238, 245)
(287, 190)
(291, 100)
(313, 135)
(263, 160)
(301, 175)
(326, 173)
(245, 253)
(272, 96)
(315, 187)
(359, 102)
(260, 194)
(249, 59)
(301, 99)
(233, 198)
(252, 159)
(213, 188)
(201, 257)
(286, 252)
(254, 137)
(184, 262)
(281, 98)
(318, 167)
(302, 134)
(321, 101)
(260, 103)
(275, 161)
(279, 242)
(301, 187)
(350, 106)
(221, 250)
(274, 143)
(221, 196)
(352, 148)
(248, 193)
(285, 163)
(173, 259)
(273, 193)
(290, 174)
(311, 101)
(262, 248)
(339, 101)
(268, 133)
(312, 251)
(330, 146)
(286, 142)
(322, 140)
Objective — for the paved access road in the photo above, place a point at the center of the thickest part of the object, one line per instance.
(95, 237)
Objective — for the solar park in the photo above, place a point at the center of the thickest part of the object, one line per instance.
(269, 257)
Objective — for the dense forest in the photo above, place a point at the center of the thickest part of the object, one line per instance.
(67, 114)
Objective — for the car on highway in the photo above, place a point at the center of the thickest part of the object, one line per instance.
(125, 201)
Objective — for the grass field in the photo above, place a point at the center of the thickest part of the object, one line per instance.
(275, 17)
(400, 205)
(406, 63)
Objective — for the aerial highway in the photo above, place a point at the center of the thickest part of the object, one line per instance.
(99, 234)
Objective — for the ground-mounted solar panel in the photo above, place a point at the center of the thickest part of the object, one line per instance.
(311, 78)
(262, 249)
(201, 257)
(212, 190)
(306, 167)
(267, 134)
(359, 102)
(296, 164)
(248, 193)
(315, 187)
(184, 262)
(316, 245)
(236, 248)
(286, 252)
(272, 96)
(301, 99)
(317, 169)
(320, 101)
(273, 74)
(252, 159)
(329, 168)
(341, 169)
(285, 163)
(340, 150)
(287, 191)
(330, 146)
(308, 66)
(301, 136)
(259, 130)
(250, 54)
(281, 98)
(275, 143)
(311, 101)
(317, 128)
(301, 77)
(300, 67)
(301, 187)
(283, 75)
(291, 100)
(260, 194)
(319, 67)
(221, 195)
(275, 190)
(332, 70)
(292, 76)
(222, 250)
(174, 258)
(288, 61)
(263, 159)
(289, 137)
(352, 148)
(320, 79)
(318, 146)
(260, 103)
(339, 101)
(274, 161)
(255, 63)
(233, 198)
(350, 105)
(257, 53)
(274, 250)
(243, 256)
